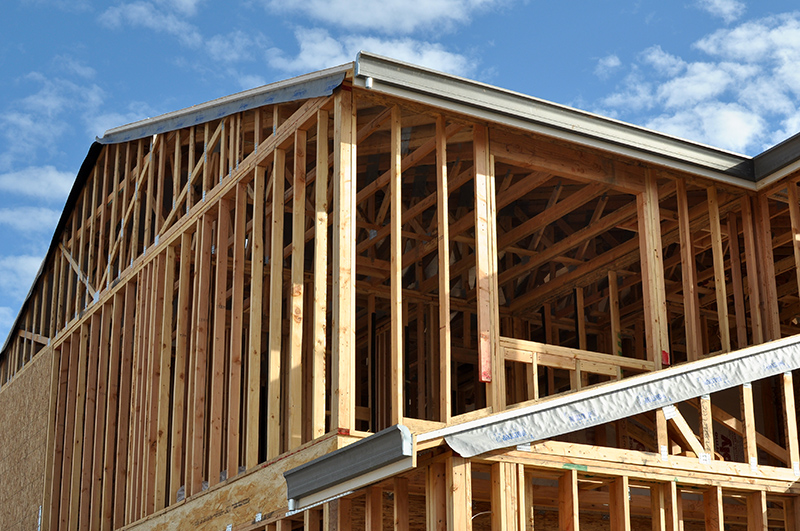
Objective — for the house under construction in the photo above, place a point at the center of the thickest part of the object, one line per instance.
(381, 297)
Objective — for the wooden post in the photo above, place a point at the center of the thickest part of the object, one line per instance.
(790, 421)
(712, 505)
(401, 507)
(374, 509)
(443, 235)
(691, 303)
(163, 392)
(396, 273)
(296, 412)
(344, 262)
(706, 426)
(275, 308)
(749, 423)
(653, 291)
(320, 279)
(256, 300)
(753, 282)
(769, 294)
(200, 348)
(719, 269)
(619, 505)
(757, 511)
(492, 368)
(504, 495)
(568, 507)
(179, 400)
(459, 489)
(436, 497)
(237, 326)
(736, 281)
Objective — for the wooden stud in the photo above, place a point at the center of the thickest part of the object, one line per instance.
(459, 489)
(237, 327)
(320, 317)
(179, 391)
(791, 513)
(443, 237)
(749, 421)
(112, 418)
(70, 349)
(344, 261)
(568, 506)
(256, 297)
(654, 295)
(769, 295)
(200, 349)
(706, 426)
(753, 284)
(79, 432)
(396, 274)
(691, 302)
(712, 503)
(757, 511)
(736, 281)
(101, 416)
(619, 505)
(124, 411)
(162, 465)
(295, 420)
(219, 354)
(60, 434)
(719, 269)
(373, 518)
(504, 494)
(436, 497)
(275, 308)
(401, 507)
(790, 422)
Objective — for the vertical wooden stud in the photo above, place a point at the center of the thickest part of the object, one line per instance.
(276, 308)
(295, 427)
(568, 506)
(320, 278)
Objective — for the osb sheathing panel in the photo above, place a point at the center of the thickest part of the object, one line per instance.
(24, 409)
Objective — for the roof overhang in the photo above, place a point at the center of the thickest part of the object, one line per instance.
(520, 111)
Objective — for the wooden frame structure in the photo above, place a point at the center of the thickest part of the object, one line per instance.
(226, 300)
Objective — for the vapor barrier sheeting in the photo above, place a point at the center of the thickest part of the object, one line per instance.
(621, 399)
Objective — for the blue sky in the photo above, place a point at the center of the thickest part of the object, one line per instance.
(721, 72)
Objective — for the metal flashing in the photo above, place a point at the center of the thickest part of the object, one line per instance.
(620, 399)
(307, 86)
(539, 116)
(388, 452)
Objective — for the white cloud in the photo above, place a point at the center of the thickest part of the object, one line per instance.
(17, 273)
(45, 183)
(662, 61)
(750, 76)
(146, 15)
(318, 49)
(606, 65)
(727, 10)
(234, 47)
(725, 125)
(71, 65)
(386, 16)
(30, 220)
(186, 7)
(7, 317)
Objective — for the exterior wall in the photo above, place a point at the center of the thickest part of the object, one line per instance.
(24, 408)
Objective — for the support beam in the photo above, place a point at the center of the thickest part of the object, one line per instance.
(654, 295)
(619, 505)
(396, 274)
(568, 505)
(344, 262)
(459, 488)
(720, 288)
(320, 316)
(443, 235)
(256, 312)
(275, 308)
(757, 511)
(712, 507)
(691, 304)
(295, 420)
